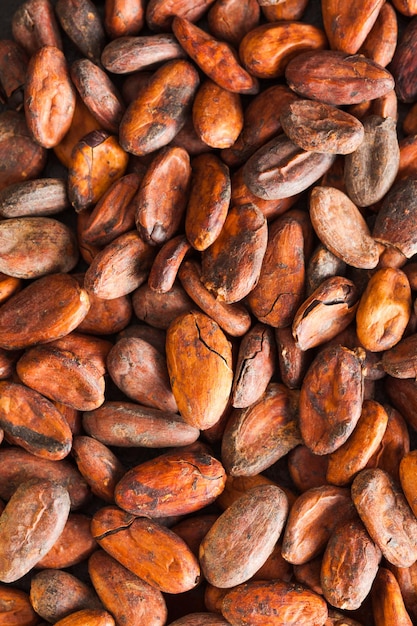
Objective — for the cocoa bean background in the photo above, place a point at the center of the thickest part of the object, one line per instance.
(190, 601)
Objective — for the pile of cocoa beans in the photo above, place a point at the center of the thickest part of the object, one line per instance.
(208, 313)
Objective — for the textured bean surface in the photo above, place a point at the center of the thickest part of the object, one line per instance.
(208, 312)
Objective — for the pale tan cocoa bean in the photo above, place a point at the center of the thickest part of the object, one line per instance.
(341, 227)
(36, 246)
(138, 53)
(126, 425)
(30, 524)
(140, 371)
(40, 197)
(54, 594)
(371, 169)
(255, 366)
(246, 532)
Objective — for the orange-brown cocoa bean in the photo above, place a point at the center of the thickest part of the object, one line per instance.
(147, 549)
(171, 484)
(164, 111)
(124, 594)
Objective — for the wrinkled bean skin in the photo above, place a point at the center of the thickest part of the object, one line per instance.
(49, 97)
(327, 422)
